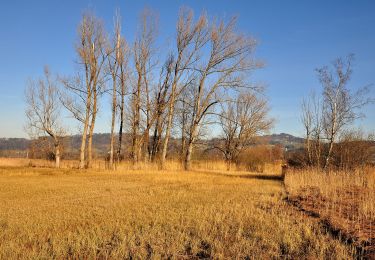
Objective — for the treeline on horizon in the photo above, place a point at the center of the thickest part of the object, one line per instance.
(179, 93)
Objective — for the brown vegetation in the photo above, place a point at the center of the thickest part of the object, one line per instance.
(50, 213)
(343, 200)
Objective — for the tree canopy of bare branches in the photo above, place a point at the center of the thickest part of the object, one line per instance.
(341, 105)
(227, 66)
(242, 120)
(88, 85)
(209, 59)
(326, 117)
(43, 111)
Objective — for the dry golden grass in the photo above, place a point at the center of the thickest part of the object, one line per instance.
(345, 199)
(48, 213)
(357, 186)
(171, 165)
(23, 162)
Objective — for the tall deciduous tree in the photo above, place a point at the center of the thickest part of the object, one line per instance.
(88, 85)
(114, 62)
(307, 121)
(228, 61)
(143, 50)
(341, 105)
(43, 111)
(123, 58)
(160, 105)
(311, 118)
(191, 38)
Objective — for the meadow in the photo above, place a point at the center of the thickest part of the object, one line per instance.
(99, 214)
(342, 200)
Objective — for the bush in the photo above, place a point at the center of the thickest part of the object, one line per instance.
(256, 157)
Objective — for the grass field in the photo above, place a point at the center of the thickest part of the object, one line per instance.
(344, 200)
(48, 213)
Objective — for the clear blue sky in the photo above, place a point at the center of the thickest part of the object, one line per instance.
(295, 38)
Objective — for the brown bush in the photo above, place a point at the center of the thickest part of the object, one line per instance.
(256, 157)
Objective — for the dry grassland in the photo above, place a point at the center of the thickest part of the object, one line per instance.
(48, 213)
(171, 165)
(345, 201)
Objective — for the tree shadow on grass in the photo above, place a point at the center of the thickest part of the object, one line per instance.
(258, 176)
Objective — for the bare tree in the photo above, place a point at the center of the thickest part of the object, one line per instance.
(241, 121)
(225, 67)
(113, 53)
(79, 105)
(43, 112)
(191, 37)
(307, 121)
(184, 113)
(160, 105)
(97, 60)
(317, 130)
(311, 118)
(88, 85)
(122, 75)
(341, 106)
(142, 50)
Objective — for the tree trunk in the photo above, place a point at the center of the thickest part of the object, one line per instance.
(122, 108)
(167, 134)
(155, 140)
(57, 155)
(183, 129)
(183, 146)
(329, 154)
(111, 153)
(120, 129)
(318, 152)
(308, 147)
(89, 148)
(146, 145)
(82, 150)
(170, 112)
(135, 143)
(229, 164)
(189, 152)
(83, 142)
(194, 126)
(91, 133)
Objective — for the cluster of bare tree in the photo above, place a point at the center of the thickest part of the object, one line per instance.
(327, 118)
(241, 121)
(152, 100)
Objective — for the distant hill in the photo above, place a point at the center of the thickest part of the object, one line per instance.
(288, 141)
(101, 141)
(14, 144)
